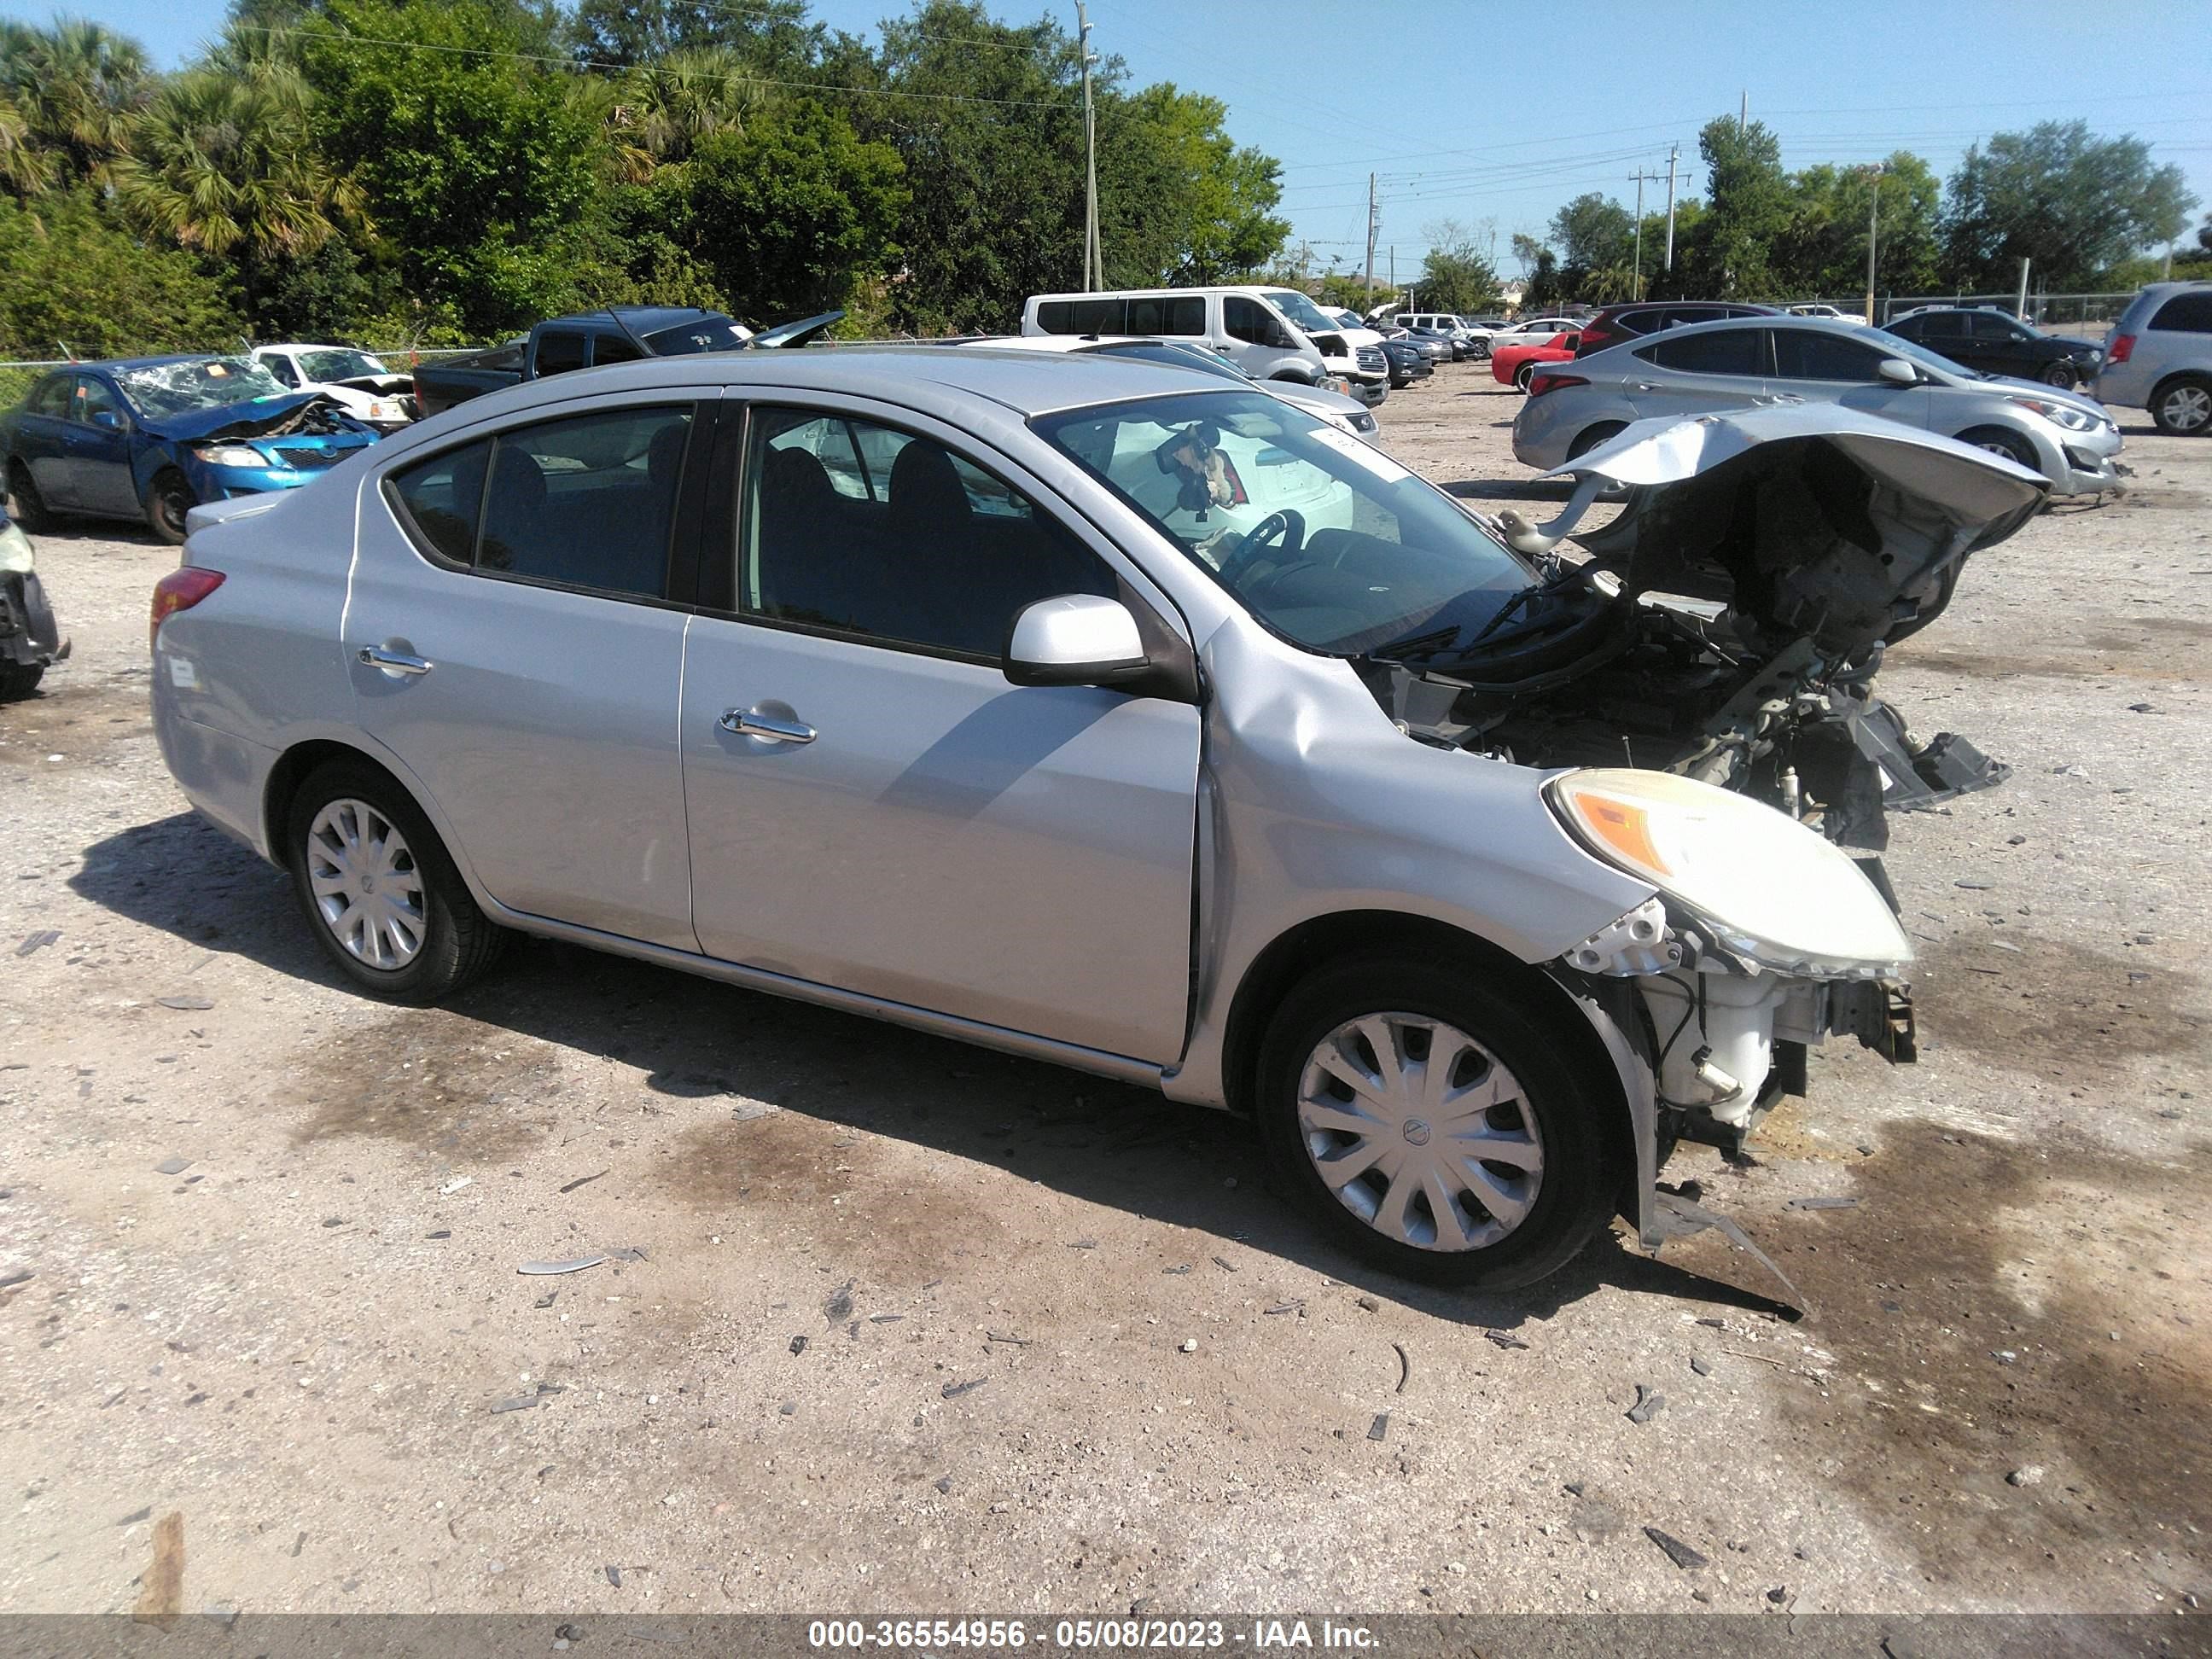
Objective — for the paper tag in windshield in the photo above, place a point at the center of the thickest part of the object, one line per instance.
(1365, 454)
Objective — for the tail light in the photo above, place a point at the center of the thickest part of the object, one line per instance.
(1543, 382)
(2123, 346)
(180, 590)
(1596, 336)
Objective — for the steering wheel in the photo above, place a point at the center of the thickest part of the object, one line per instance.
(1287, 526)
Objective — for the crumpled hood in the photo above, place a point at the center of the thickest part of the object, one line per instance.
(231, 420)
(1813, 519)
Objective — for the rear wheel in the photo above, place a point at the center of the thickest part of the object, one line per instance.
(1590, 437)
(2061, 375)
(30, 507)
(1428, 1119)
(166, 504)
(2183, 407)
(1523, 375)
(20, 679)
(1998, 442)
(379, 891)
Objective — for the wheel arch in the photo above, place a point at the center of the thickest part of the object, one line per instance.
(1603, 1033)
(298, 762)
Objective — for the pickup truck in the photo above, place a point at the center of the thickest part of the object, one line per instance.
(620, 334)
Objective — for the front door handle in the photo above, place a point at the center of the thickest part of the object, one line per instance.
(776, 728)
(1647, 386)
(395, 662)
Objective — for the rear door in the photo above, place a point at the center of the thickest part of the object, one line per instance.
(40, 442)
(874, 805)
(515, 637)
(1822, 366)
(1695, 373)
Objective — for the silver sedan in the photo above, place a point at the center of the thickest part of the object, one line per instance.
(1038, 702)
(1575, 406)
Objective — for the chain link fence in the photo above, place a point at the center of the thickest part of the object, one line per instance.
(2088, 315)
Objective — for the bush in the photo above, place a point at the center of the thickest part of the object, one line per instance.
(72, 277)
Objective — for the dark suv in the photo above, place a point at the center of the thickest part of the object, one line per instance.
(1616, 323)
(1993, 342)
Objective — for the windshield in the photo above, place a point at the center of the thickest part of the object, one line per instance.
(161, 389)
(701, 334)
(1176, 356)
(1300, 310)
(337, 363)
(1328, 541)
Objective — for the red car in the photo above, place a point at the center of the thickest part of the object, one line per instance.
(1514, 365)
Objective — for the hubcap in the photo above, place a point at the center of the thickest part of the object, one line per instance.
(1420, 1132)
(2188, 408)
(366, 886)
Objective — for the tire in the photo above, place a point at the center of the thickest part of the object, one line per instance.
(1998, 442)
(167, 502)
(424, 897)
(30, 508)
(1590, 437)
(20, 679)
(2181, 407)
(1523, 375)
(2061, 374)
(1543, 1113)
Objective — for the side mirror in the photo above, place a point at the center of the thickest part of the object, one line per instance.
(1281, 338)
(1897, 371)
(110, 418)
(1077, 639)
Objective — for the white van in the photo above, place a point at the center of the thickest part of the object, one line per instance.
(1263, 330)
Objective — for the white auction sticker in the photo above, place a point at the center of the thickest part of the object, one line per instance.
(1365, 454)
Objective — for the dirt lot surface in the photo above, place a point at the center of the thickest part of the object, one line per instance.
(911, 1327)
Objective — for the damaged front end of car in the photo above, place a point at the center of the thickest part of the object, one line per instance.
(1728, 623)
(31, 641)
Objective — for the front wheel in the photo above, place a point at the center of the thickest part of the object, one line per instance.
(1999, 441)
(380, 894)
(2183, 407)
(166, 504)
(1427, 1120)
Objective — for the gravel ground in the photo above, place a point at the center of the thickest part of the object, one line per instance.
(311, 1342)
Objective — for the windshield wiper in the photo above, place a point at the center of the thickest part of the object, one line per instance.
(1416, 645)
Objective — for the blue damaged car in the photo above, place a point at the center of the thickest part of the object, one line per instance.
(150, 438)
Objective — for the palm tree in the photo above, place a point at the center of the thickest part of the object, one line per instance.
(77, 86)
(220, 161)
(661, 110)
(23, 166)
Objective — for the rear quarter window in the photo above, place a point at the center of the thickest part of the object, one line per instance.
(2185, 313)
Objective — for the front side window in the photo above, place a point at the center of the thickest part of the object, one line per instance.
(709, 333)
(1804, 354)
(1723, 351)
(280, 367)
(587, 502)
(94, 397)
(862, 529)
(324, 364)
(1326, 541)
(1245, 319)
(1983, 326)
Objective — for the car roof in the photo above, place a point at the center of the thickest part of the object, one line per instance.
(111, 363)
(1024, 380)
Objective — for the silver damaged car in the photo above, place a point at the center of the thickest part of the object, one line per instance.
(1041, 703)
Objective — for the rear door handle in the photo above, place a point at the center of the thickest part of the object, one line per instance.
(752, 723)
(395, 662)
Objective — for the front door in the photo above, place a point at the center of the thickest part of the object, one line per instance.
(511, 642)
(99, 451)
(874, 806)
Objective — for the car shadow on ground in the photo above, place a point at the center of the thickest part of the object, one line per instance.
(1103, 1142)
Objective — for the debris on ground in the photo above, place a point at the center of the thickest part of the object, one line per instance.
(1380, 1427)
(2028, 1474)
(1679, 1217)
(1226, 1265)
(1682, 1555)
(583, 1180)
(1296, 1305)
(839, 1307)
(15, 1276)
(1649, 1404)
(1190, 1345)
(184, 1005)
(1371, 1305)
(1701, 1365)
(577, 1265)
(954, 1390)
(625, 1253)
(521, 1402)
(454, 1185)
(943, 1483)
(997, 1336)
(1505, 1339)
(1832, 1203)
(1405, 1366)
(614, 1574)
(172, 1166)
(798, 1344)
(39, 941)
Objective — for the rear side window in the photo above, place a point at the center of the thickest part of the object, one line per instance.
(1724, 351)
(586, 503)
(559, 351)
(1168, 314)
(2185, 313)
(52, 396)
(1084, 316)
(615, 349)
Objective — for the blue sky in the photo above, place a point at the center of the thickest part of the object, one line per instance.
(1493, 117)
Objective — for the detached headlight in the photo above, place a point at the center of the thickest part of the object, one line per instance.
(231, 455)
(2065, 414)
(1362, 421)
(1768, 890)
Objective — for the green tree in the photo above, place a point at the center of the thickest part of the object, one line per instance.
(479, 169)
(75, 87)
(768, 37)
(792, 212)
(1456, 275)
(2072, 202)
(1821, 249)
(1592, 233)
(1747, 207)
(72, 276)
(1180, 200)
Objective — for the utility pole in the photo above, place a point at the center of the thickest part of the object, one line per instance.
(1743, 114)
(1094, 274)
(1367, 279)
(1636, 279)
(1874, 230)
(2020, 305)
(1673, 154)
